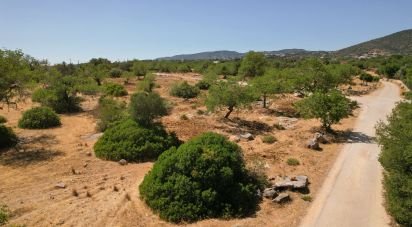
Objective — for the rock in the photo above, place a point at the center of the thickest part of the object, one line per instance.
(60, 185)
(247, 136)
(320, 138)
(234, 139)
(313, 144)
(89, 153)
(281, 198)
(269, 193)
(297, 182)
(122, 162)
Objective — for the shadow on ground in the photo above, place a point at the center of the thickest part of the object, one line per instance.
(22, 158)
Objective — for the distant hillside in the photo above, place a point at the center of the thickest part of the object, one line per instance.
(211, 55)
(227, 55)
(396, 43)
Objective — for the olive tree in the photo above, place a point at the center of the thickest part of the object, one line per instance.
(329, 107)
(253, 64)
(229, 94)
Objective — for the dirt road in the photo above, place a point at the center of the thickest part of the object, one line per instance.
(352, 193)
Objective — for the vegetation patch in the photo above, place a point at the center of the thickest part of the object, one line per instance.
(132, 142)
(115, 90)
(269, 139)
(293, 162)
(4, 215)
(39, 118)
(203, 178)
(110, 112)
(2, 119)
(184, 90)
(59, 99)
(145, 107)
(395, 137)
(203, 85)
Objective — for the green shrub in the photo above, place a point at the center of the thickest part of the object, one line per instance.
(145, 107)
(7, 137)
(110, 112)
(293, 162)
(203, 178)
(4, 214)
(115, 73)
(59, 99)
(184, 117)
(307, 198)
(278, 126)
(147, 84)
(203, 85)
(269, 139)
(395, 138)
(184, 90)
(39, 118)
(115, 90)
(127, 140)
(2, 119)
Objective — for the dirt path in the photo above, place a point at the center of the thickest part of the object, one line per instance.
(352, 193)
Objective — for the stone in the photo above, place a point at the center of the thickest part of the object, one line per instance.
(60, 185)
(320, 138)
(281, 198)
(234, 139)
(122, 162)
(269, 193)
(297, 182)
(247, 136)
(313, 144)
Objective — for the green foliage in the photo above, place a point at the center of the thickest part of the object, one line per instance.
(39, 118)
(127, 140)
(147, 84)
(7, 137)
(293, 162)
(146, 107)
(366, 77)
(395, 138)
(203, 85)
(269, 139)
(59, 99)
(230, 95)
(2, 119)
(329, 107)
(203, 178)
(139, 68)
(253, 64)
(4, 214)
(110, 112)
(184, 90)
(307, 198)
(114, 89)
(115, 73)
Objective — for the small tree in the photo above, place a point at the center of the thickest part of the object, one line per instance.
(147, 84)
(253, 64)
(145, 107)
(110, 112)
(230, 95)
(139, 69)
(329, 107)
(268, 84)
(366, 77)
(115, 73)
(115, 90)
(184, 90)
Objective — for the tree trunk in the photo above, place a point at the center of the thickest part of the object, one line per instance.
(230, 111)
(264, 101)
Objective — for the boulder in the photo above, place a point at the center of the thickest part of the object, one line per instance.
(313, 144)
(60, 185)
(234, 139)
(297, 182)
(269, 193)
(281, 198)
(122, 162)
(247, 136)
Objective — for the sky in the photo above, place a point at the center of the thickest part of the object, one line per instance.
(78, 30)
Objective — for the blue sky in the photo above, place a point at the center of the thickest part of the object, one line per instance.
(78, 30)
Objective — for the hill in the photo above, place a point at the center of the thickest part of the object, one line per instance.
(228, 55)
(396, 43)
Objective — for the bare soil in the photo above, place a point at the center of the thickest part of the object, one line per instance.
(108, 192)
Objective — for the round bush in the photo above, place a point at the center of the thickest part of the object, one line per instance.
(204, 178)
(7, 137)
(184, 90)
(2, 119)
(203, 85)
(39, 118)
(59, 99)
(127, 140)
(116, 90)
